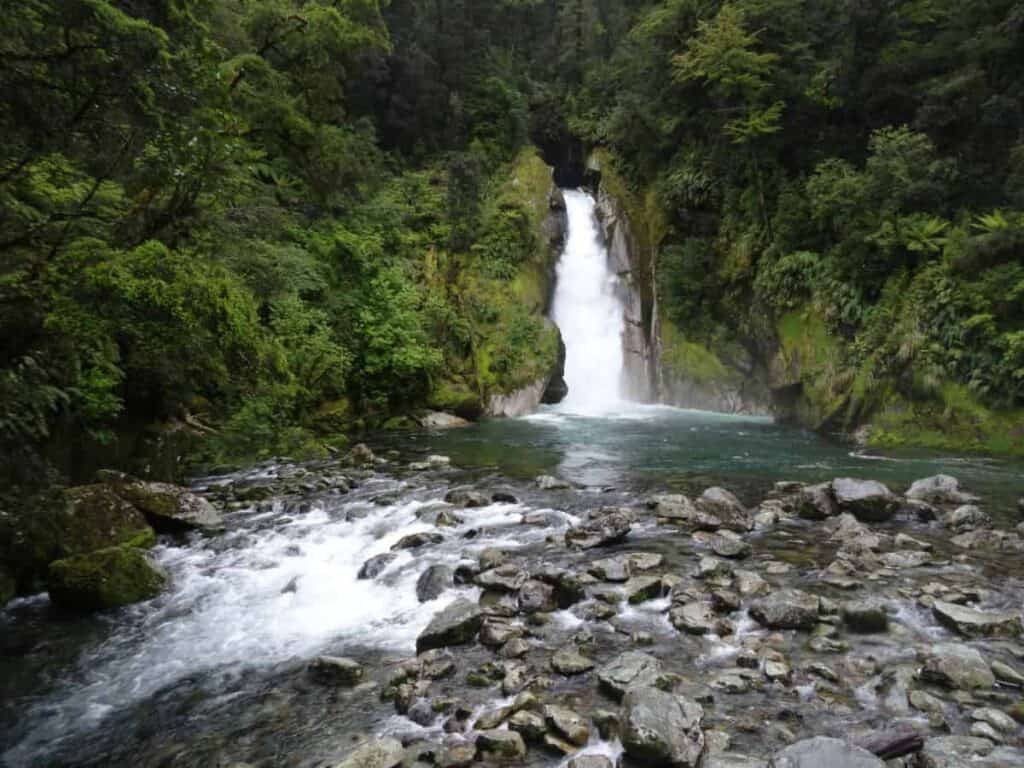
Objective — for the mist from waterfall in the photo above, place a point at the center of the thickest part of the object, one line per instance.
(589, 313)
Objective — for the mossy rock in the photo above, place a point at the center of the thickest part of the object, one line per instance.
(399, 423)
(107, 578)
(98, 517)
(333, 417)
(455, 397)
(170, 508)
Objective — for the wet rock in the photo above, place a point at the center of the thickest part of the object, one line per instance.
(422, 713)
(106, 578)
(568, 724)
(504, 497)
(816, 502)
(457, 624)
(822, 751)
(966, 518)
(497, 630)
(500, 746)
(433, 582)
(640, 589)
(361, 456)
(786, 609)
(986, 539)
(504, 578)
(940, 489)
(724, 506)
(529, 725)
(536, 597)
(925, 702)
(441, 420)
(417, 540)
(750, 584)
(96, 517)
(468, 499)
(973, 623)
(995, 718)
(715, 571)
(953, 751)
(493, 718)
(568, 661)
(613, 569)
(550, 483)
(729, 544)
(591, 761)
(336, 670)
(170, 508)
(695, 618)
(629, 669)
(659, 729)
(491, 557)
(956, 666)
(608, 529)
(1006, 674)
(379, 753)
(852, 535)
(905, 559)
(867, 500)
(673, 506)
(866, 616)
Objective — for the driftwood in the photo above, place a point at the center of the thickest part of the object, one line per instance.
(890, 743)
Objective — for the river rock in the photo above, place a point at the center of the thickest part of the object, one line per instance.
(569, 661)
(505, 578)
(433, 582)
(550, 483)
(614, 569)
(607, 529)
(659, 729)
(866, 616)
(373, 567)
(529, 725)
(940, 489)
(954, 665)
(106, 578)
(417, 540)
(695, 618)
(974, 623)
(590, 761)
(724, 506)
(786, 609)
(498, 630)
(824, 752)
(468, 499)
(629, 669)
(953, 751)
(867, 500)
(379, 753)
(441, 420)
(171, 508)
(729, 544)
(499, 746)
(97, 517)
(457, 624)
(816, 502)
(568, 724)
(966, 518)
(536, 597)
(336, 670)
(640, 589)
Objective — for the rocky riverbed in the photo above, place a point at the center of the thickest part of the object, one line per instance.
(379, 613)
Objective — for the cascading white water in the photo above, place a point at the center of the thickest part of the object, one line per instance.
(589, 314)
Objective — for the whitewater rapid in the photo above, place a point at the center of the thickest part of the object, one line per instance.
(589, 314)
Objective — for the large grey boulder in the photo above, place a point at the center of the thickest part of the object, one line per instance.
(954, 752)
(824, 752)
(632, 668)
(868, 615)
(498, 746)
(786, 609)
(379, 753)
(970, 622)
(607, 529)
(433, 582)
(966, 518)
(729, 511)
(373, 567)
(107, 578)
(867, 500)
(940, 489)
(956, 666)
(455, 625)
(170, 508)
(659, 729)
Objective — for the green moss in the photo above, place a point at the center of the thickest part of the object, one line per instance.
(811, 357)
(399, 423)
(691, 360)
(955, 422)
(107, 578)
(455, 397)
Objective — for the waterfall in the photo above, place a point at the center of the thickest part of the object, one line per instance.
(588, 311)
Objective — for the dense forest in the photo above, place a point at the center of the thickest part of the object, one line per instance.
(272, 223)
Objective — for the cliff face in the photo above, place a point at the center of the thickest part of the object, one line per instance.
(662, 365)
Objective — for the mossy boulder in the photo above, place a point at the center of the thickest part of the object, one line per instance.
(98, 517)
(106, 578)
(169, 508)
